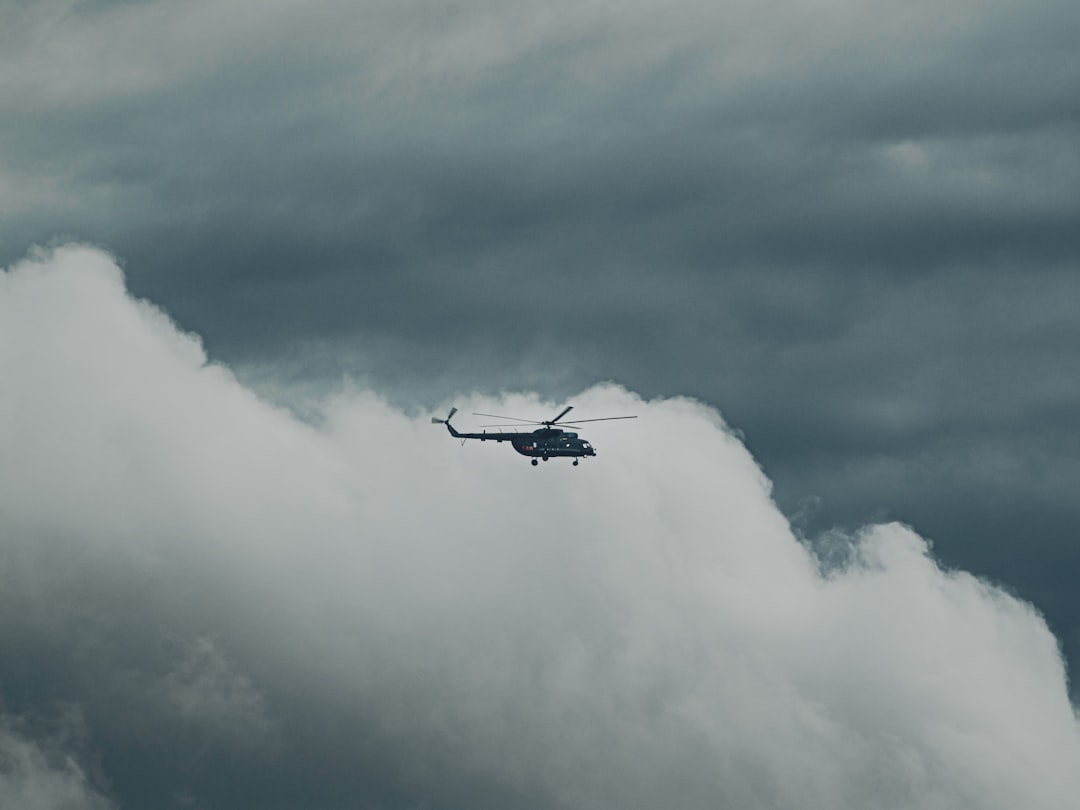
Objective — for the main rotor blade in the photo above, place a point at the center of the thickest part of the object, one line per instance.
(563, 413)
(601, 419)
(515, 418)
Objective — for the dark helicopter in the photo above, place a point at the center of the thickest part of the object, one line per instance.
(546, 441)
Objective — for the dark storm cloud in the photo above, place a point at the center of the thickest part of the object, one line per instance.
(205, 602)
(851, 226)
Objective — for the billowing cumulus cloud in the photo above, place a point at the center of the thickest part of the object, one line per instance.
(248, 610)
(849, 225)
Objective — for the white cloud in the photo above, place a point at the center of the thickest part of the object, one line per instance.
(39, 775)
(643, 630)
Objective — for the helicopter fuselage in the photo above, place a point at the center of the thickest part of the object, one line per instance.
(543, 442)
(562, 443)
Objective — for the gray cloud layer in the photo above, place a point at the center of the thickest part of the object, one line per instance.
(243, 610)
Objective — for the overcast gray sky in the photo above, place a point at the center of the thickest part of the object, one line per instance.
(850, 227)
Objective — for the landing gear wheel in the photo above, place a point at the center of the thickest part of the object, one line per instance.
(545, 458)
(535, 462)
(575, 462)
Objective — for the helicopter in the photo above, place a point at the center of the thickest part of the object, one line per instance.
(547, 441)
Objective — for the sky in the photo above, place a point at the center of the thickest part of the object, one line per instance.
(826, 251)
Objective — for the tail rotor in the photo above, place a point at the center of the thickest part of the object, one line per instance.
(437, 421)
